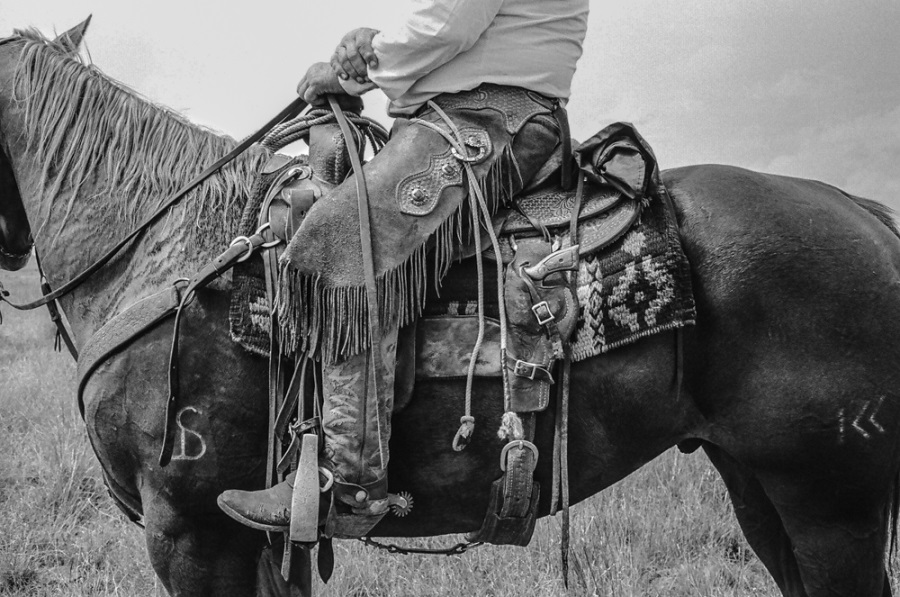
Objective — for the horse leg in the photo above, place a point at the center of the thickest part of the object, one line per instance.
(204, 554)
(759, 521)
(839, 544)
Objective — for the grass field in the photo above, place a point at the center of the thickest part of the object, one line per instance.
(667, 530)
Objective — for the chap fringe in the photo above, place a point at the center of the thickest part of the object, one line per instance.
(331, 323)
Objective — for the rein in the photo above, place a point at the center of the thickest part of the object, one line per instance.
(294, 108)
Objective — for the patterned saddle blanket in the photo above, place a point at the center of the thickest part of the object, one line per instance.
(636, 286)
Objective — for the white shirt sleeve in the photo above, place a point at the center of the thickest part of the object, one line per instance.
(432, 34)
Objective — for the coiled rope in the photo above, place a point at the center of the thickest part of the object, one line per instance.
(298, 129)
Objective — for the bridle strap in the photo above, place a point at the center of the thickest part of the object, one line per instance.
(293, 109)
(62, 333)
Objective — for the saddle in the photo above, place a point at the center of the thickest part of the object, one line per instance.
(605, 215)
(541, 235)
(539, 219)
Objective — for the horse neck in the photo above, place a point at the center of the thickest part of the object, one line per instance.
(75, 219)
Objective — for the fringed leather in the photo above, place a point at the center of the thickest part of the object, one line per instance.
(331, 323)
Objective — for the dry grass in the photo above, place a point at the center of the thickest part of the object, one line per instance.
(667, 530)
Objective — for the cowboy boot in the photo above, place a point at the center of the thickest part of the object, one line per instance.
(357, 430)
(264, 510)
(356, 423)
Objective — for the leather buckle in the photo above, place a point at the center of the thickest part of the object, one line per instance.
(525, 369)
(299, 427)
(531, 371)
(543, 313)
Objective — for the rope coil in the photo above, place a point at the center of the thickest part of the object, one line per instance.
(298, 129)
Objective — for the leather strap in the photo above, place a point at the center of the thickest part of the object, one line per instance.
(519, 459)
(368, 255)
(62, 333)
(565, 169)
(576, 211)
(533, 371)
(562, 413)
(287, 408)
(122, 329)
(275, 371)
(294, 108)
(561, 464)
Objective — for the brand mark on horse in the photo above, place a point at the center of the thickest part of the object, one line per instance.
(191, 446)
(861, 422)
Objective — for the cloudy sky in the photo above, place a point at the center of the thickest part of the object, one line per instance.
(807, 88)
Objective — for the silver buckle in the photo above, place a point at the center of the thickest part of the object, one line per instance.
(525, 369)
(543, 306)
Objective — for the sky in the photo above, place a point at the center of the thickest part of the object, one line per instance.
(807, 88)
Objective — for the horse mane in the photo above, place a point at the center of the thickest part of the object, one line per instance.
(92, 132)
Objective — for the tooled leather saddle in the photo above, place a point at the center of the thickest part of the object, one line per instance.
(537, 235)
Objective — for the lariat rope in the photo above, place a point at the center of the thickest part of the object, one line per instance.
(298, 129)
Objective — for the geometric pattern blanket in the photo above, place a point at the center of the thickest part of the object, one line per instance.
(638, 286)
(641, 285)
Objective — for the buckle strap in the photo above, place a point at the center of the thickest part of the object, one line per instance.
(532, 371)
(542, 312)
(518, 444)
(357, 495)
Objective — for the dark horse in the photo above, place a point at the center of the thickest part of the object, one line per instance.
(791, 375)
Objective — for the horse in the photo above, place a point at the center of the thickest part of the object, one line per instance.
(790, 383)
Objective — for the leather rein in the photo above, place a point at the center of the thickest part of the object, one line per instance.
(293, 109)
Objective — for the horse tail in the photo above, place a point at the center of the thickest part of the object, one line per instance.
(886, 216)
(881, 211)
(893, 515)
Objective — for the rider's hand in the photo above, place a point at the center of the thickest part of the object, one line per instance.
(319, 81)
(354, 55)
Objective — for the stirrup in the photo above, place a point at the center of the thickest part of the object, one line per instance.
(305, 497)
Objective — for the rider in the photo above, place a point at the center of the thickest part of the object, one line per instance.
(500, 71)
